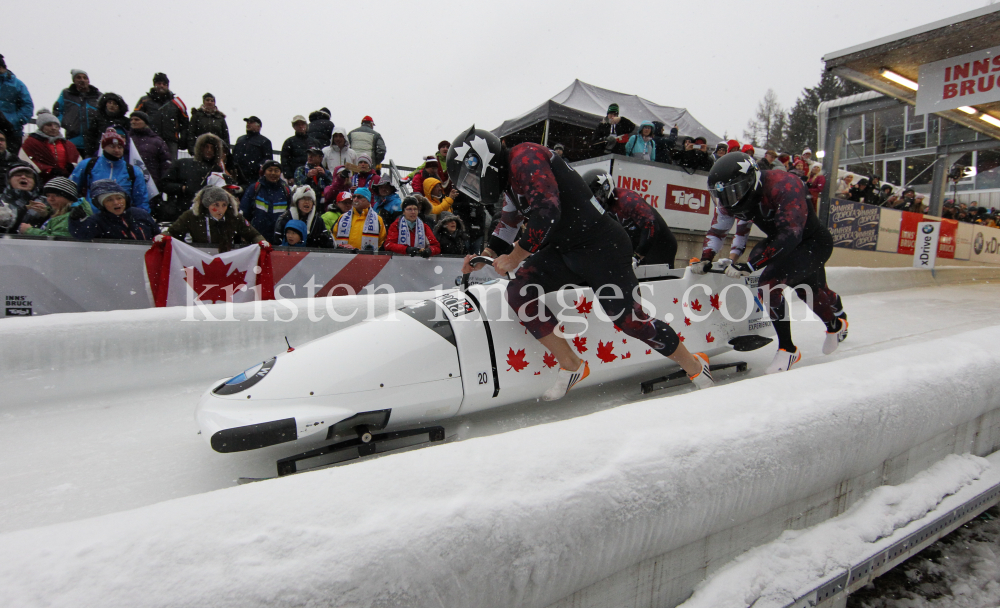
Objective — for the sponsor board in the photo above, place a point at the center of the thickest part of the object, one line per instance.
(888, 230)
(964, 80)
(926, 245)
(682, 199)
(908, 232)
(854, 225)
(985, 245)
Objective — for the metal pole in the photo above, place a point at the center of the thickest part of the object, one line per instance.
(545, 134)
(831, 165)
(939, 185)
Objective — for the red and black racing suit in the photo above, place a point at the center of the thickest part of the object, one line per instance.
(793, 254)
(651, 237)
(573, 242)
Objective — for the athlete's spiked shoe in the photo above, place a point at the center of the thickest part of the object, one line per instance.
(566, 380)
(702, 379)
(783, 361)
(834, 338)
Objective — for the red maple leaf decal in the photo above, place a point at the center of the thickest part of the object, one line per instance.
(714, 301)
(709, 337)
(687, 321)
(617, 329)
(580, 344)
(680, 336)
(549, 360)
(624, 341)
(211, 285)
(538, 373)
(627, 356)
(675, 300)
(606, 351)
(583, 306)
(696, 306)
(516, 360)
(649, 351)
(562, 329)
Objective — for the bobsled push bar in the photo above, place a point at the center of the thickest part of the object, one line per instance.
(739, 343)
(480, 259)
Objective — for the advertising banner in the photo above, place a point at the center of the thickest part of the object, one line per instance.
(946, 242)
(908, 231)
(963, 241)
(854, 225)
(925, 248)
(888, 230)
(985, 245)
(965, 80)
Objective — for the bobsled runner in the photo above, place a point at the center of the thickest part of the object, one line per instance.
(459, 352)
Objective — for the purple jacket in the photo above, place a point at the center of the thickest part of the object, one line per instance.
(153, 150)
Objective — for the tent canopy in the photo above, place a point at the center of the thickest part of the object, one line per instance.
(584, 105)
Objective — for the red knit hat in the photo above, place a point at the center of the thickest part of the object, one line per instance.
(747, 149)
(111, 135)
(733, 145)
(368, 119)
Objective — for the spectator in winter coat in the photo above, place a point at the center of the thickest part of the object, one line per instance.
(844, 186)
(664, 143)
(608, 131)
(15, 104)
(695, 154)
(816, 183)
(52, 153)
(167, 113)
(111, 165)
(266, 199)
(76, 108)
(313, 174)
(341, 205)
(386, 201)
(111, 110)
(475, 217)
(360, 228)
(7, 160)
(641, 144)
(431, 168)
(341, 182)
(294, 152)
(409, 235)
(782, 164)
(207, 119)
(251, 151)
(365, 177)
(338, 153)
(435, 194)
(748, 149)
(60, 194)
(862, 192)
(442, 158)
(212, 219)
(721, 149)
(304, 209)
(116, 218)
(20, 202)
(153, 150)
(189, 175)
(366, 140)
(767, 163)
(803, 162)
(295, 234)
(450, 232)
(320, 126)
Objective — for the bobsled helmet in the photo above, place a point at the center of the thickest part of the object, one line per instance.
(734, 182)
(477, 164)
(601, 185)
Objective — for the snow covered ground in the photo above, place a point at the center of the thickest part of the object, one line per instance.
(107, 452)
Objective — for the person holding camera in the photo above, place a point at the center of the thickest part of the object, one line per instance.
(694, 154)
(610, 129)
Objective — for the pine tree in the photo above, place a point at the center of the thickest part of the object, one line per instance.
(766, 129)
(802, 128)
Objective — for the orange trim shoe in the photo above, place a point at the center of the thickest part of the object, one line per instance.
(783, 361)
(565, 380)
(702, 379)
(834, 338)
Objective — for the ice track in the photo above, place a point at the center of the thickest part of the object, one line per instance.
(109, 437)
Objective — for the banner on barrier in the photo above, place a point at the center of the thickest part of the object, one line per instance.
(908, 232)
(985, 245)
(854, 225)
(926, 245)
(888, 230)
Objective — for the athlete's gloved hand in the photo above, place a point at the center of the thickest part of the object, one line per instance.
(425, 252)
(699, 266)
(738, 270)
(724, 262)
(412, 251)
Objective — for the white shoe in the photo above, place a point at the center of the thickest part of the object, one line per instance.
(702, 379)
(834, 338)
(566, 380)
(783, 361)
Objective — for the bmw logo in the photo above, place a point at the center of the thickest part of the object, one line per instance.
(977, 244)
(928, 229)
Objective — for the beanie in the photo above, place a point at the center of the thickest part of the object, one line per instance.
(365, 192)
(209, 195)
(73, 73)
(111, 135)
(103, 188)
(613, 108)
(61, 186)
(206, 96)
(45, 117)
(410, 201)
(160, 77)
(366, 158)
(268, 164)
(303, 192)
(141, 116)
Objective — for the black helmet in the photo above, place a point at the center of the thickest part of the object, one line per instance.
(477, 162)
(601, 185)
(734, 183)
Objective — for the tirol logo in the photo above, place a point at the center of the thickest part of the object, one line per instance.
(928, 229)
(456, 306)
(977, 244)
(690, 200)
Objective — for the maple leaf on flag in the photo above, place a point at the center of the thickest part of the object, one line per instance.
(606, 351)
(516, 360)
(627, 356)
(714, 301)
(211, 284)
(675, 300)
(649, 351)
(696, 306)
(687, 321)
(709, 337)
(680, 336)
(549, 360)
(584, 306)
(580, 344)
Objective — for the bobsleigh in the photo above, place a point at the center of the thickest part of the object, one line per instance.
(458, 352)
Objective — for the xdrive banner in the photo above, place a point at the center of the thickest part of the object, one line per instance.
(926, 245)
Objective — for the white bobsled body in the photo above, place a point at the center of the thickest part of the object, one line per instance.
(457, 353)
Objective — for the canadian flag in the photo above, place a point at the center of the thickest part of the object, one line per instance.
(180, 275)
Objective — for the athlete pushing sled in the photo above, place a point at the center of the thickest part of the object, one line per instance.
(570, 240)
(794, 253)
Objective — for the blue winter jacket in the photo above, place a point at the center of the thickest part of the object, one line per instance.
(387, 205)
(637, 147)
(263, 203)
(133, 225)
(15, 100)
(117, 170)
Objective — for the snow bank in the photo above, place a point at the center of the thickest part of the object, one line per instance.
(523, 518)
(849, 281)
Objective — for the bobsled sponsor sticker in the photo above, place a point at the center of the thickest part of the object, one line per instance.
(457, 306)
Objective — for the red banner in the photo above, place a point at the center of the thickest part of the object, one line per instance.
(908, 231)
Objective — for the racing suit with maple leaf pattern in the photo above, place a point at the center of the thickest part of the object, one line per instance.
(651, 237)
(573, 242)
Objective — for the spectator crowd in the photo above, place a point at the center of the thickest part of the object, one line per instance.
(93, 169)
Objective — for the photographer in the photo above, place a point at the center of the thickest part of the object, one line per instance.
(608, 131)
(694, 154)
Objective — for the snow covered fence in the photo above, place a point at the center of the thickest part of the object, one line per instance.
(849, 281)
(630, 506)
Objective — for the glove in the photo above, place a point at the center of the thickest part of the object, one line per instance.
(724, 262)
(160, 238)
(738, 270)
(77, 213)
(699, 266)
(425, 253)
(412, 251)
(264, 244)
